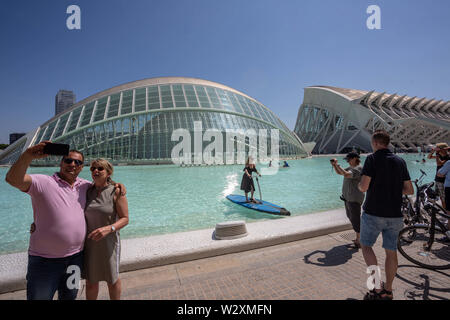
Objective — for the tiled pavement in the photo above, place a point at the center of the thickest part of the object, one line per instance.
(318, 268)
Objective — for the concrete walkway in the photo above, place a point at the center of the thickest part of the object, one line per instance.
(323, 267)
(140, 253)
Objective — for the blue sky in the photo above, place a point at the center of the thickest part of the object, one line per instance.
(268, 49)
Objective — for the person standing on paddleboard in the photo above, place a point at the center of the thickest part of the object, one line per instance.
(247, 180)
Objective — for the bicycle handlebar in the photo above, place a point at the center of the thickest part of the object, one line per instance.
(431, 204)
(416, 182)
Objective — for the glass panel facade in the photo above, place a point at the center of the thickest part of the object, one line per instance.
(234, 102)
(166, 96)
(244, 106)
(191, 96)
(148, 137)
(61, 125)
(202, 97)
(39, 136)
(100, 110)
(224, 100)
(50, 128)
(14, 154)
(260, 110)
(214, 98)
(113, 109)
(87, 114)
(139, 104)
(252, 107)
(74, 119)
(178, 95)
(127, 102)
(153, 98)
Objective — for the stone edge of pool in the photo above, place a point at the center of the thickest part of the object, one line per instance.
(159, 250)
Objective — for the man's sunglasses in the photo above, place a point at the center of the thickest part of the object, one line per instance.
(70, 160)
(98, 168)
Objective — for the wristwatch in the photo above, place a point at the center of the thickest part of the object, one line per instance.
(113, 229)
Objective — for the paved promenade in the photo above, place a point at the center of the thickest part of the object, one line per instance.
(323, 267)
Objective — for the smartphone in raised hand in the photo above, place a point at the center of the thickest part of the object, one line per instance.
(56, 149)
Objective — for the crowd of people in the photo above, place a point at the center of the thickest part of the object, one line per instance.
(378, 187)
(77, 222)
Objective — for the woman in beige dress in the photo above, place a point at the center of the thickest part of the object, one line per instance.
(106, 213)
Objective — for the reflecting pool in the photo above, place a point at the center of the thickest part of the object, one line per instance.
(166, 199)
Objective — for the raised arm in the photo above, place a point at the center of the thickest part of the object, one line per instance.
(17, 175)
(340, 171)
(431, 154)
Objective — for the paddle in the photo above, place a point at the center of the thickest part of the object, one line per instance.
(266, 204)
(259, 188)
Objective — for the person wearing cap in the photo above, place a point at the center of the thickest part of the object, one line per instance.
(351, 195)
(440, 153)
(247, 181)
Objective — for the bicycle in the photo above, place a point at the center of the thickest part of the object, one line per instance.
(427, 245)
(413, 214)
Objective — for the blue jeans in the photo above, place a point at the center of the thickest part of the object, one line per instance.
(45, 276)
(372, 226)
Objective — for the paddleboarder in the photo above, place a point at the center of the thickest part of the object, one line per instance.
(247, 180)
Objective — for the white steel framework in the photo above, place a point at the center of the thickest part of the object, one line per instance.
(339, 119)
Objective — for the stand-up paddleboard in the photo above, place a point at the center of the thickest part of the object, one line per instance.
(262, 206)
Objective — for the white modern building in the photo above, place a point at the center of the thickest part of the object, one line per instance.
(133, 123)
(339, 120)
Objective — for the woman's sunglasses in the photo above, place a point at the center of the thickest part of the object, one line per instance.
(98, 168)
(70, 160)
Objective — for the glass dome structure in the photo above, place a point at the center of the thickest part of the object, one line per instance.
(133, 123)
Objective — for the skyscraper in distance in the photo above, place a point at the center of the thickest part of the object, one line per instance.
(64, 99)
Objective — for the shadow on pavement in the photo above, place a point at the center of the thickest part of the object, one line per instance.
(334, 257)
(422, 287)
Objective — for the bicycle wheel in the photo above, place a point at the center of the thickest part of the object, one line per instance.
(412, 243)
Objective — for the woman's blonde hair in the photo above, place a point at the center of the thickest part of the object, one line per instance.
(108, 167)
(250, 160)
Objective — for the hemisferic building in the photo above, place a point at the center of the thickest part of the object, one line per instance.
(133, 123)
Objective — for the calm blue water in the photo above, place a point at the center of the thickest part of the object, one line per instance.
(167, 199)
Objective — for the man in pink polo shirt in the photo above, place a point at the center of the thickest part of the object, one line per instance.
(60, 229)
